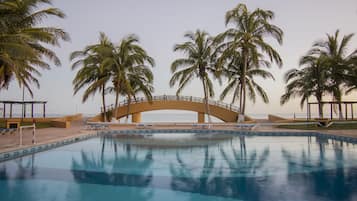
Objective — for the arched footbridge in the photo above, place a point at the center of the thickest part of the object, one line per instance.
(220, 110)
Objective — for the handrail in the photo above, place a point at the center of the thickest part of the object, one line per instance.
(33, 126)
(175, 98)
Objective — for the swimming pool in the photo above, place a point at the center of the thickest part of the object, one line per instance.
(194, 167)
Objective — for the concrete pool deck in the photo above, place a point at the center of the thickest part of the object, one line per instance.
(10, 142)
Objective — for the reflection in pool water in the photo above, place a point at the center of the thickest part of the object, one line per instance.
(232, 168)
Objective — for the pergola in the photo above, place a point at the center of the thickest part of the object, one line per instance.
(332, 103)
(23, 103)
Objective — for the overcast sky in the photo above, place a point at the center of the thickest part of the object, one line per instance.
(162, 23)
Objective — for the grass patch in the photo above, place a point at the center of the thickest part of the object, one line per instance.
(39, 125)
(340, 126)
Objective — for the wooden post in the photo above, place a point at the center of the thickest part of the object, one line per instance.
(346, 111)
(44, 110)
(331, 111)
(136, 117)
(24, 110)
(10, 110)
(200, 117)
(4, 110)
(32, 110)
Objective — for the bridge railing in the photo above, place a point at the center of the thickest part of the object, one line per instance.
(174, 98)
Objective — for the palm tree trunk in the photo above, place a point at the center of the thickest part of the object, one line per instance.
(319, 100)
(103, 101)
(340, 110)
(236, 91)
(321, 113)
(338, 99)
(206, 99)
(116, 101)
(240, 97)
(245, 66)
(116, 105)
(128, 109)
(244, 99)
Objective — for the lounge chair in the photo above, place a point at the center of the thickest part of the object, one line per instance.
(96, 127)
(5, 131)
(201, 126)
(12, 130)
(245, 126)
(142, 125)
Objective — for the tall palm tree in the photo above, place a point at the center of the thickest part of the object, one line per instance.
(351, 82)
(140, 82)
(130, 61)
(248, 34)
(198, 63)
(338, 63)
(306, 82)
(234, 72)
(24, 42)
(95, 69)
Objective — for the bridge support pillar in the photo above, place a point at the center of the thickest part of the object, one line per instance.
(200, 117)
(136, 117)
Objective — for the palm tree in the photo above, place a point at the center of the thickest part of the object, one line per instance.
(140, 81)
(130, 62)
(338, 63)
(197, 64)
(306, 82)
(247, 36)
(351, 82)
(234, 72)
(95, 69)
(24, 42)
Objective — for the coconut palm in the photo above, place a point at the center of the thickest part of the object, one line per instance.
(95, 69)
(247, 36)
(306, 82)
(140, 82)
(338, 63)
(198, 63)
(351, 82)
(130, 62)
(234, 72)
(24, 42)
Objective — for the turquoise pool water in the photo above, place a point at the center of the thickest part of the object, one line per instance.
(186, 167)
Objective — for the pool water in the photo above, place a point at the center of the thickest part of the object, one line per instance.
(186, 167)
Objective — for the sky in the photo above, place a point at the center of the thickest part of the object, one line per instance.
(160, 24)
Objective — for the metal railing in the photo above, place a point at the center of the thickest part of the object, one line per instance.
(221, 104)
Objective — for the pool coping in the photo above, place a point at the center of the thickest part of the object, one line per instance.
(32, 149)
